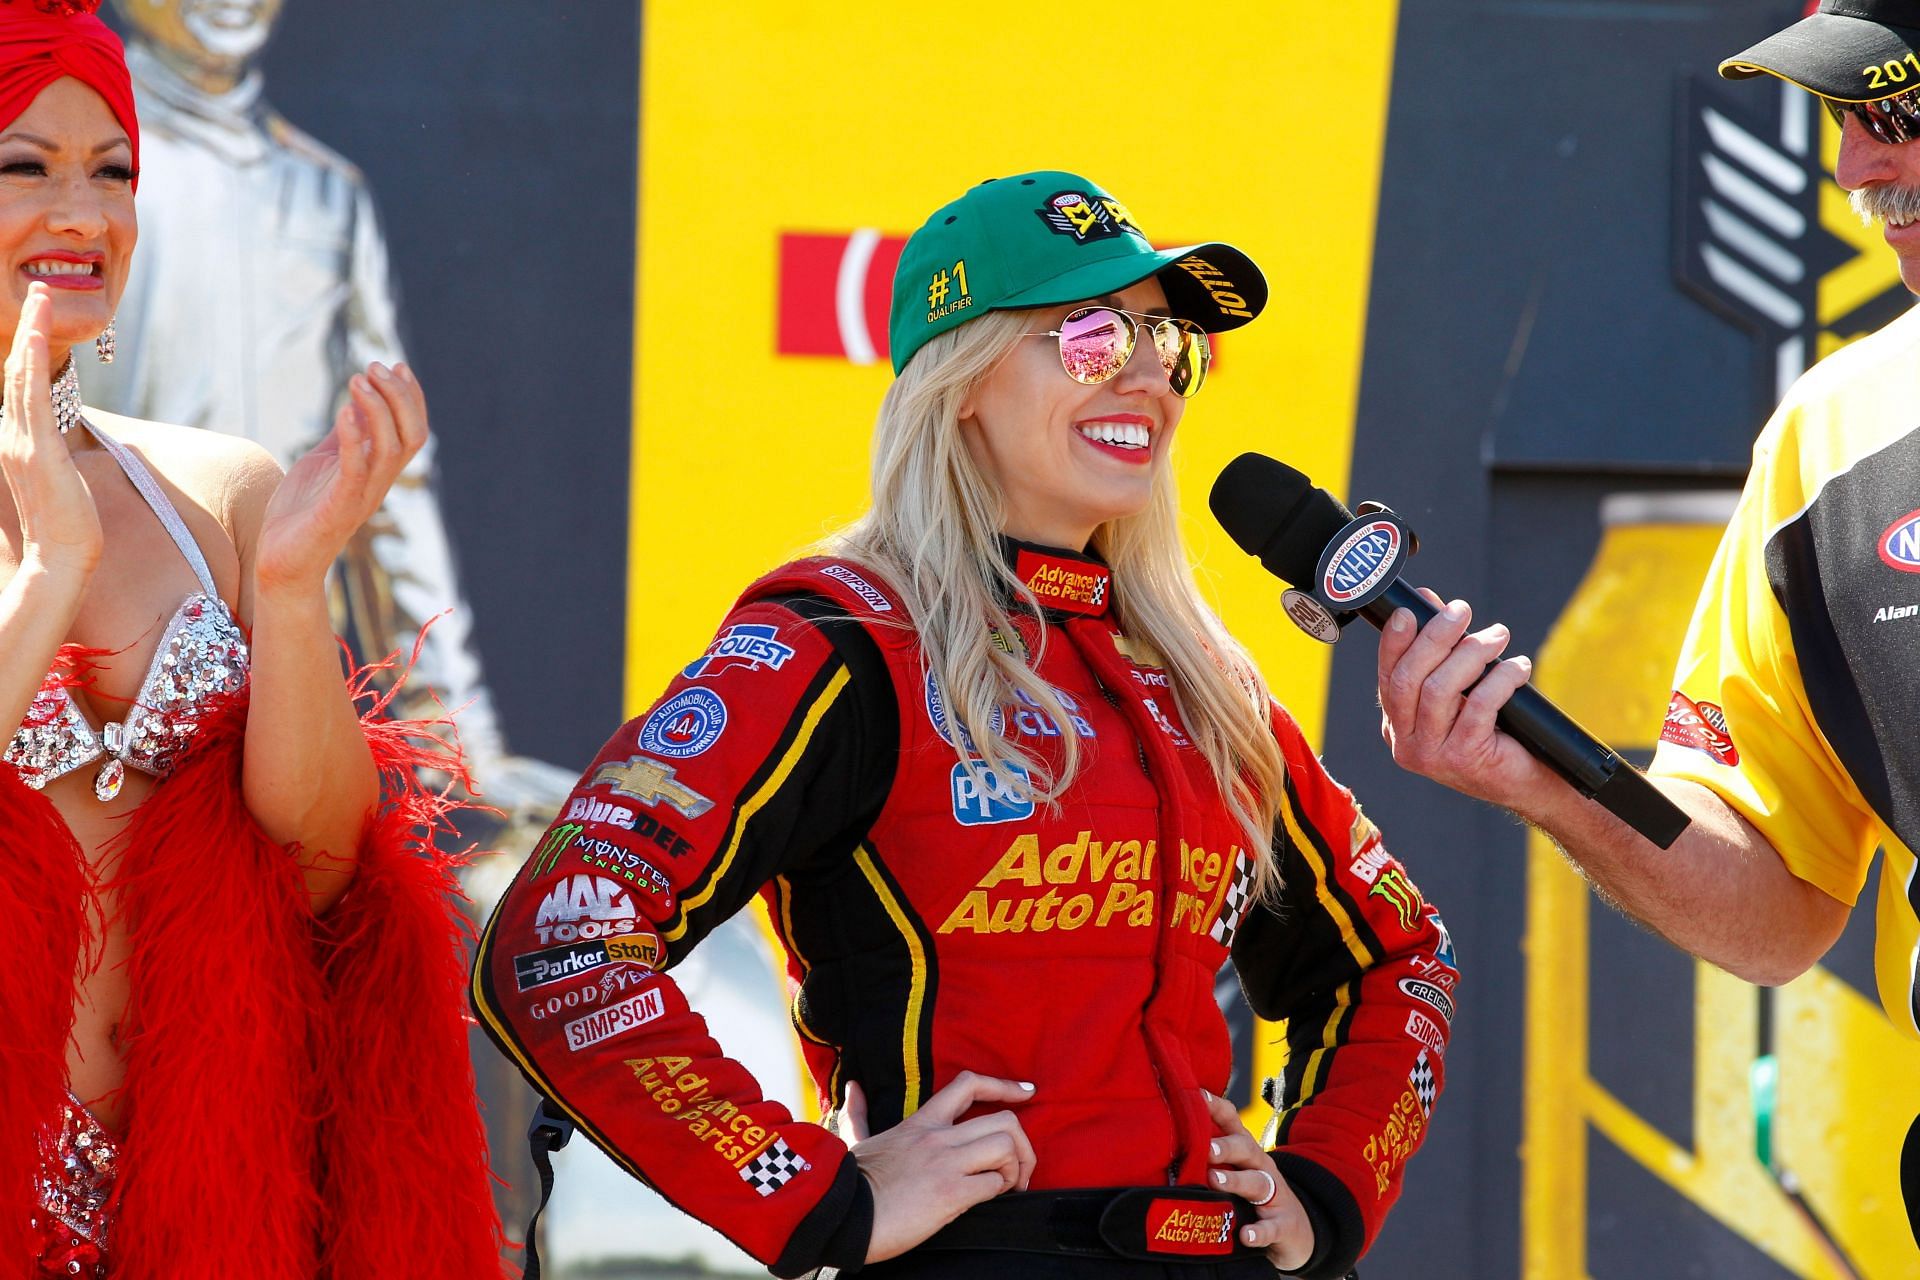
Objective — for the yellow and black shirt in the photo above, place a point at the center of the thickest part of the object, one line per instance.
(1797, 691)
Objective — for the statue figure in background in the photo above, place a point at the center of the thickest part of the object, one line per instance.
(261, 286)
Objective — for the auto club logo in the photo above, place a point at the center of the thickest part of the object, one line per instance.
(1765, 236)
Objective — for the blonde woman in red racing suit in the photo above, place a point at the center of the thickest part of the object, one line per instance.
(1012, 796)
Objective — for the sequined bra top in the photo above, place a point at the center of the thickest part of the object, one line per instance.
(202, 654)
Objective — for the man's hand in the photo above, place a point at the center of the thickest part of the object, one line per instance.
(930, 1168)
(1721, 892)
(1438, 700)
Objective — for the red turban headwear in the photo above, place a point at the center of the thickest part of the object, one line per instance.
(43, 40)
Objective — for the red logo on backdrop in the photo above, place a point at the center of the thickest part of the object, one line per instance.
(1700, 725)
(836, 295)
(1197, 1228)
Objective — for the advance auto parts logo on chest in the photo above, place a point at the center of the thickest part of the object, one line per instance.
(1764, 235)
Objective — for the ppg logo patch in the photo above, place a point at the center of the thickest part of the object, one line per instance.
(748, 644)
(974, 806)
(685, 724)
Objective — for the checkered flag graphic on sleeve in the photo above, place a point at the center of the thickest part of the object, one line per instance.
(1421, 1078)
(773, 1168)
(1234, 910)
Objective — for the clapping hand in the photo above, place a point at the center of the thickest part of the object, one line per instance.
(333, 490)
(59, 525)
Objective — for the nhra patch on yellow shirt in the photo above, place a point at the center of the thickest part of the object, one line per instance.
(1700, 725)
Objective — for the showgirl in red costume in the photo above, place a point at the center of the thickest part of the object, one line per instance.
(230, 1036)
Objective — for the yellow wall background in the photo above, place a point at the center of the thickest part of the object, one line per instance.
(1258, 124)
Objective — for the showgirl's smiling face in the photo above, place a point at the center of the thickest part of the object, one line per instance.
(66, 210)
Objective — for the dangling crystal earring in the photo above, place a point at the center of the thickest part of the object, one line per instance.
(103, 345)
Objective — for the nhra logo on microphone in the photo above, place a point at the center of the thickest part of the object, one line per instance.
(1361, 561)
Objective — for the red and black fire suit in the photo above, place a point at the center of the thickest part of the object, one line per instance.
(935, 919)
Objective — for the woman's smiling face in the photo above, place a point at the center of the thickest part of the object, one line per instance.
(1066, 457)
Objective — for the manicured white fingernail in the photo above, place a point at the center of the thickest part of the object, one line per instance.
(1219, 1178)
(1213, 1148)
(1249, 1235)
(1027, 1085)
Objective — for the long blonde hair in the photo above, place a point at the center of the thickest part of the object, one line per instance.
(932, 532)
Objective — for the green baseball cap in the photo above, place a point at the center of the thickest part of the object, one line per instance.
(1048, 238)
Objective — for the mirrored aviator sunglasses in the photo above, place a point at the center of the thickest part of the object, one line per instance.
(1891, 120)
(1097, 342)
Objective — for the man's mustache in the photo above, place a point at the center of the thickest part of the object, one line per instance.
(1888, 203)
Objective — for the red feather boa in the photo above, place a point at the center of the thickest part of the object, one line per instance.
(299, 1097)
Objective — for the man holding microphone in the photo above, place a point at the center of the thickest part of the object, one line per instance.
(1790, 736)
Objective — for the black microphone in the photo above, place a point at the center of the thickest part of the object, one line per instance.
(1343, 566)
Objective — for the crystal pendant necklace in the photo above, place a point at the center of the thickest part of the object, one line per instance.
(66, 398)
